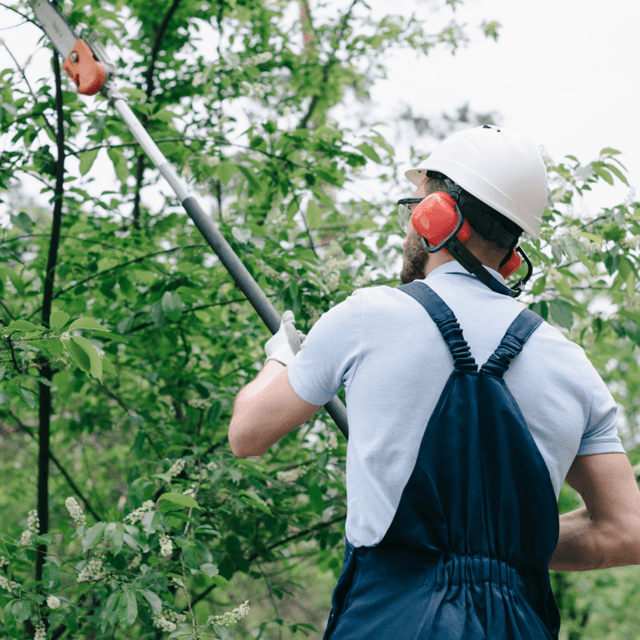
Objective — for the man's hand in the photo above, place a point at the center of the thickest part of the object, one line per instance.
(284, 345)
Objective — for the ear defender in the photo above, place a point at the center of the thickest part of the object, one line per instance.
(436, 218)
(511, 266)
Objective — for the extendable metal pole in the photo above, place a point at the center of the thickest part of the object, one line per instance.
(335, 408)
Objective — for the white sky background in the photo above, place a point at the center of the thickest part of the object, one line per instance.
(563, 72)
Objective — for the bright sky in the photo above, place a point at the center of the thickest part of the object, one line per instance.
(563, 72)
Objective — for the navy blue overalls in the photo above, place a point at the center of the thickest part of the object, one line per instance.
(466, 556)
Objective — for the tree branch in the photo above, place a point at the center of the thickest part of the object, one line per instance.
(327, 67)
(120, 266)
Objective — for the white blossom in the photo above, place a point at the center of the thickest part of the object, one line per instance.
(231, 617)
(553, 275)
(25, 538)
(93, 571)
(176, 468)
(166, 545)
(291, 475)
(191, 491)
(3, 561)
(211, 466)
(8, 585)
(53, 602)
(41, 632)
(259, 58)
(136, 515)
(631, 243)
(162, 623)
(333, 442)
(75, 511)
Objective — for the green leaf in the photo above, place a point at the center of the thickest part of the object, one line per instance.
(95, 363)
(315, 498)
(602, 172)
(92, 536)
(182, 500)
(226, 171)
(172, 305)
(210, 569)
(128, 608)
(241, 234)
(561, 313)
(87, 323)
(369, 151)
(10, 621)
(87, 159)
(618, 173)
(21, 610)
(119, 164)
(22, 221)
(29, 397)
(22, 325)
(51, 576)
(58, 319)
(153, 600)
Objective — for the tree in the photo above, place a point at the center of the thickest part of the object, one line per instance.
(124, 341)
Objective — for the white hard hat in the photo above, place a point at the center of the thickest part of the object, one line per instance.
(496, 165)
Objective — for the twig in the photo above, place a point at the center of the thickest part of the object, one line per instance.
(16, 366)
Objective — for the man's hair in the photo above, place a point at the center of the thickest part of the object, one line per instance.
(436, 184)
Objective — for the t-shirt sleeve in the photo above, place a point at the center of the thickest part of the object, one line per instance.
(329, 354)
(601, 434)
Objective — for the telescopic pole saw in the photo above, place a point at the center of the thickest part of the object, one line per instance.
(90, 68)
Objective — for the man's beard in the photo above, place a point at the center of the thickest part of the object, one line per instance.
(415, 260)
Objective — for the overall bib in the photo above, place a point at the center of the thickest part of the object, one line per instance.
(466, 556)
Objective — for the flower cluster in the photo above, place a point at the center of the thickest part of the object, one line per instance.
(333, 442)
(53, 602)
(191, 491)
(167, 620)
(136, 515)
(231, 617)
(292, 475)
(33, 527)
(335, 261)
(211, 466)
(3, 561)
(8, 585)
(166, 545)
(93, 571)
(41, 632)
(631, 243)
(176, 468)
(259, 58)
(553, 275)
(75, 511)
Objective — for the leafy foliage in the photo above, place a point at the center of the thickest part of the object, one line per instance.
(124, 373)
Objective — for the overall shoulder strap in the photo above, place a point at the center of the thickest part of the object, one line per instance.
(514, 339)
(446, 322)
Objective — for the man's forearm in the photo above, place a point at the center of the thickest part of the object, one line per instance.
(582, 545)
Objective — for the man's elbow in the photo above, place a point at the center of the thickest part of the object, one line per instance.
(243, 446)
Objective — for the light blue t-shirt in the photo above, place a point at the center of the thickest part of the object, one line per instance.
(382, 345)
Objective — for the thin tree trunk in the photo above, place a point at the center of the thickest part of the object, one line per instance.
(45, 400)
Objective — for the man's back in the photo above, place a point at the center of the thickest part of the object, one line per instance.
(394, 364)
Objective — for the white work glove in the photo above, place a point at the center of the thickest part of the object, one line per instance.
(284, 345)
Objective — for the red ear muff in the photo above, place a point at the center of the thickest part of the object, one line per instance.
(511, 266)
(435, 218)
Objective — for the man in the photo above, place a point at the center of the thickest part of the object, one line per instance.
(453, 474)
